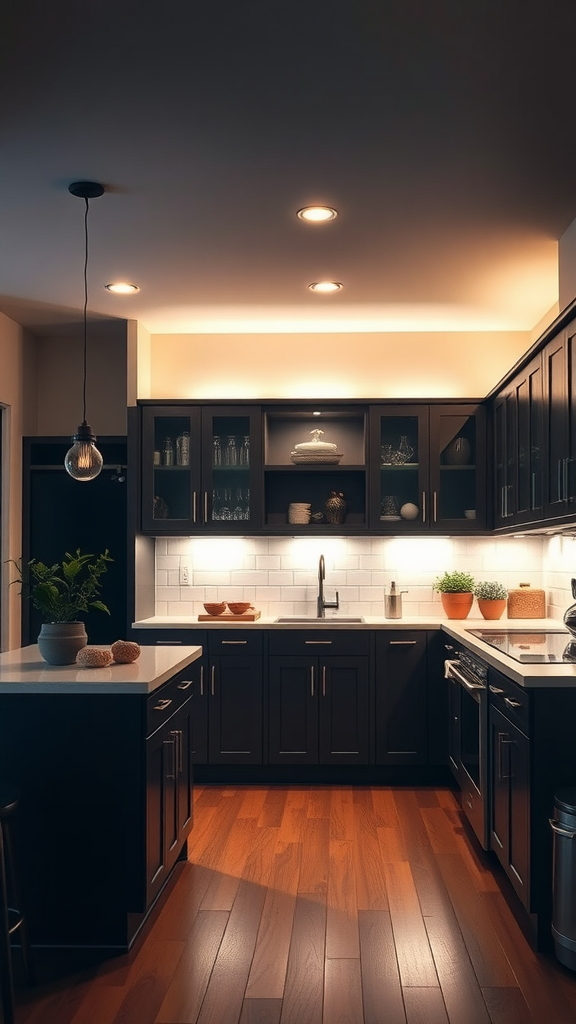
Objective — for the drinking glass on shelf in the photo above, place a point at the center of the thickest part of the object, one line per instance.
(183, 449)
(216, 504)
(231, 452)
(226, 507)
(238, 511)
(216, 451)
(245, 451)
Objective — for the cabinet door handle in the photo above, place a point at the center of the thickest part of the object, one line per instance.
(512, 703)
(212, 676)
(495, 689)
(170, 743)
(185, 684)
(176, 734)
(559, 483)
(234, 643)
(326, 643)
(435, 506)
(323, 680)
(205, 507)
(448, 647)
(170, 642)
(423, 506)
(503, 740)
(565, 479)
(502, 510)
(194, 506)
(162, 704)
(406, 643)
(533, 492)
(202, 680)
(311, 680)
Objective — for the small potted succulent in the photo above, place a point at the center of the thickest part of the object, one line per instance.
(456, 591)
(62, 593)
(491, 597)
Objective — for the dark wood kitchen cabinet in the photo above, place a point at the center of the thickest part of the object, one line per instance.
(518, 416)
(106, 805)
(531, 755)
(234, 694)
(559, 365)
(169, 794)
(428, 468)
(319, 698)
(200, 468)
(509, 801)
(401, 697)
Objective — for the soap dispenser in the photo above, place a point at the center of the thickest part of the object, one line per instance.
(393, 602)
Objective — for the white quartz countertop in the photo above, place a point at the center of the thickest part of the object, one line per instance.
(25, 671)
(529, 676)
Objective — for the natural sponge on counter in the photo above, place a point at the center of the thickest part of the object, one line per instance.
(125, 651)
(93, 657)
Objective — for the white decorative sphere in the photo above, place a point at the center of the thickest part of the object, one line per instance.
(409, 511)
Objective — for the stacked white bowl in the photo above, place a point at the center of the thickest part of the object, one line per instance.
(299, 512)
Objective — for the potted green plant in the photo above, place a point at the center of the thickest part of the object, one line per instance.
(491, 597)
(456, 591)
(62, 593)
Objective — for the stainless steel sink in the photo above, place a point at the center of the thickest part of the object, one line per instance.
(321, 622)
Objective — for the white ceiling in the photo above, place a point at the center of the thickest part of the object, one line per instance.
(443, 131)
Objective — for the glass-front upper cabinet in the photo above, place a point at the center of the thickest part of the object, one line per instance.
(457, 468)
(200, 469)
(399, 467)
(428, 468)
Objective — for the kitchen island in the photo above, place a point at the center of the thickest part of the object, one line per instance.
(102, 761)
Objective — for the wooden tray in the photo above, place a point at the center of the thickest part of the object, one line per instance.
(229, 617)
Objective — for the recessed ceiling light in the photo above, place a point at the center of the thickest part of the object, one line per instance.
(122, 288)
(325, 286)
(317, 214)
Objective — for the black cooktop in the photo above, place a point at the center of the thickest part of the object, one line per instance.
(536, 647)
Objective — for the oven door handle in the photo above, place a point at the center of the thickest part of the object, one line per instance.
(452, 671)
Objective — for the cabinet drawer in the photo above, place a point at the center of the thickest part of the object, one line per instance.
(510, 699)
(234, 641)
(319, 642)
(161, 705)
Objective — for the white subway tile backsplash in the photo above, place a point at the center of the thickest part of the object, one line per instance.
(280, 575)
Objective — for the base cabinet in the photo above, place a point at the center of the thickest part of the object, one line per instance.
(401, 697)
(510, 803)
(234, 698)
(105, 787)
(319, 710)
(169, 807)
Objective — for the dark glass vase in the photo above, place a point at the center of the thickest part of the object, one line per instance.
(335, 507)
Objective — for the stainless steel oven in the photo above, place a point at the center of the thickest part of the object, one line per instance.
(468, 678)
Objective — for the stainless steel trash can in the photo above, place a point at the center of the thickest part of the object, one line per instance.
(563, 826)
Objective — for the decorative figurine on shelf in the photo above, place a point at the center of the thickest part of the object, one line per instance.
(335, 507)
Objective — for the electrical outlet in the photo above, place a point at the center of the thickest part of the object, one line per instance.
(184, 576)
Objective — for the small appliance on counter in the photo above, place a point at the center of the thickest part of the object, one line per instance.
(393, 602)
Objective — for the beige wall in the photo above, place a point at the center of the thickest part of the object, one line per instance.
(60, 367)
(17, 374)
(567, 266)
(431, 365)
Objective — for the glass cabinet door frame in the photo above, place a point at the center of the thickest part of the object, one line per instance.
(478, 412)
(200, 485)
(252, 474)
(420, 414)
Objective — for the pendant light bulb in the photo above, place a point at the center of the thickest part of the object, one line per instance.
(83, 461)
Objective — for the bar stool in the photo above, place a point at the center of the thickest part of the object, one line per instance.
(11, 916)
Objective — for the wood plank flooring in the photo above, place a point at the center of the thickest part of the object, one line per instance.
(321, 905)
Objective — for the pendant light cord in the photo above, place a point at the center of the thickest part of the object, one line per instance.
(85, 315)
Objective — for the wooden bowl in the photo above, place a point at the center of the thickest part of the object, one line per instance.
(238, 607)
(215, 607)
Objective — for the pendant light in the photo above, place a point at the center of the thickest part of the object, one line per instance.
(83, 461)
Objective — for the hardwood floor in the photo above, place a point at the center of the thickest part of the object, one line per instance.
(321, 905)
